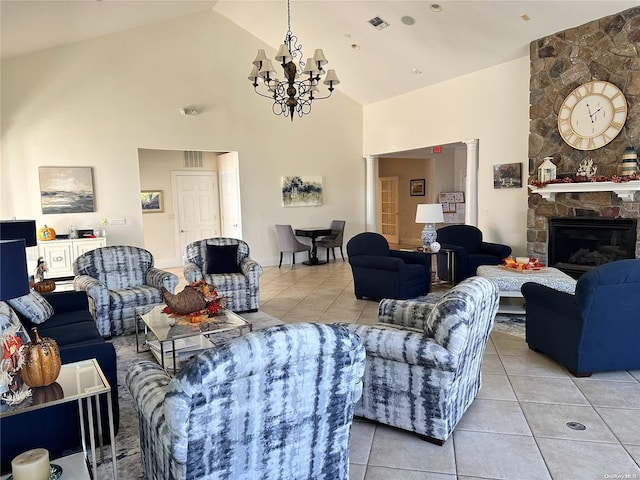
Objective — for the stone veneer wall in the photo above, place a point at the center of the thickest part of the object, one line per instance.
(606, 49)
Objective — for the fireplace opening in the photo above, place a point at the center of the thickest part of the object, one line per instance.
(577, 245)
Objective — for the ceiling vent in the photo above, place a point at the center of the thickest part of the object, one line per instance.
(378, 23)
(192, 159)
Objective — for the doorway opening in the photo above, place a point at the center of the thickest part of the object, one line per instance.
(201, 193)
(436, 170)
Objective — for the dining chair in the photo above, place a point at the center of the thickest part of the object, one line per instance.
(288, 243)
(334, 240)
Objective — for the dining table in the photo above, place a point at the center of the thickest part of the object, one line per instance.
(313, 233)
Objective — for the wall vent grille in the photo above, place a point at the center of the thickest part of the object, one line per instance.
(192, 159)
(378, 23)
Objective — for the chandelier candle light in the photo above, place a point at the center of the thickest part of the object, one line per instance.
(429, 213)
(300, 89)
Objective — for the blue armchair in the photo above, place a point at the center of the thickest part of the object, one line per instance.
(597, 329)
(118, 279)
(273, 404)
(423, 359)
(469, 250)
(379, 272)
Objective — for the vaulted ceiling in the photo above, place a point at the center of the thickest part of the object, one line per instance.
(420, 46)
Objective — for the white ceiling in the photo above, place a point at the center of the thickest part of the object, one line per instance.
(464, 37)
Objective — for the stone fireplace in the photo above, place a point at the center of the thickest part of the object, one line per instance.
(605, 49)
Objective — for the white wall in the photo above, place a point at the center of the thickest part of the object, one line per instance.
(96, 102)
(491, 105)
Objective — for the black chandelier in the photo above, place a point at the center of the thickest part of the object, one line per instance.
(300, 89)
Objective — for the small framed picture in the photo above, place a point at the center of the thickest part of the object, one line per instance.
(507, 175)
(152, 201)
(416, 187)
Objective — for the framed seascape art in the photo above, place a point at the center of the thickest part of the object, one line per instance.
(66, 189)
(507, 175)
(152, 201)
(301, 191)
(416, 187)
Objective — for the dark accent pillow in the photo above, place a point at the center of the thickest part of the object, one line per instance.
(222, 259)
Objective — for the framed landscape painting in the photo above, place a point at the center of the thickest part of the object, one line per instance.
(66, 189)
(152, 201)
(301, 191)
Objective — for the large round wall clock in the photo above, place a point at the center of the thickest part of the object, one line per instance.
(592, 115)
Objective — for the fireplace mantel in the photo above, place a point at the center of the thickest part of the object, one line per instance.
(624, 190)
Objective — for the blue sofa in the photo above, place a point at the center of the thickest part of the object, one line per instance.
(469, 250)
(379, 272)
(597, 329)
(57, 428)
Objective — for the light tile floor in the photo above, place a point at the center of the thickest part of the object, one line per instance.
(516, 428)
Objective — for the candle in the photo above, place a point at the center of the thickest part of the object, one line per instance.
(31, 465)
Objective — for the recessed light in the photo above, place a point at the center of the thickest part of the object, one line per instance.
(435, 7)
(407, 20)
(347, 35)
(525, 17)
(355, 46)
(417, 71)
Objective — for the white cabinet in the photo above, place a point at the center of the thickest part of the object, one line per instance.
(60, 254)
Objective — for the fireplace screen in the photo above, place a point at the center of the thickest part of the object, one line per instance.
(579, 244)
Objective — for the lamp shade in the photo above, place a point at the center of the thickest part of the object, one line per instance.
(429, 213)
(19, 229)
(14, 280)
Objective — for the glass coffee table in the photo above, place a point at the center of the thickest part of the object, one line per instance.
(85, 383)
(173, 340)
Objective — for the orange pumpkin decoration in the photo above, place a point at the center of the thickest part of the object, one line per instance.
(46, 233)
(41, 364)
(50, 393)
(45, 286)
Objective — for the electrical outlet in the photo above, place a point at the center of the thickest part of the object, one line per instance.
(117, 221)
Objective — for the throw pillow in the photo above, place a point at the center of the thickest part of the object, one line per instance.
(222, 259)
(33, 306)
(9, 320)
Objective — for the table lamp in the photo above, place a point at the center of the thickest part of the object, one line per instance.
(14, 280)
(429, 213)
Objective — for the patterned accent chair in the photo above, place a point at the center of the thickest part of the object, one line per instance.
(240, 282)
(118, 279)
(273, 404)
(423, 366)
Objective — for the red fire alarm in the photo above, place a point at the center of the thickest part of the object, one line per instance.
(437, 149)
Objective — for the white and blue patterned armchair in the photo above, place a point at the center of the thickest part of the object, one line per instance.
(118, 279)
(423, 368)
(273, 404)
(225, 264)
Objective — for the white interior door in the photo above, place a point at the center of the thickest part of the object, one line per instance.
(229, 173)
(197, 207)
(388, 208)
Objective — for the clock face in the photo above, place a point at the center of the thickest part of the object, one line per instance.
(592, 115)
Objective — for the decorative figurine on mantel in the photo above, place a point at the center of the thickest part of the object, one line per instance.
(629, 161)
(546, 170)
(586, 169)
